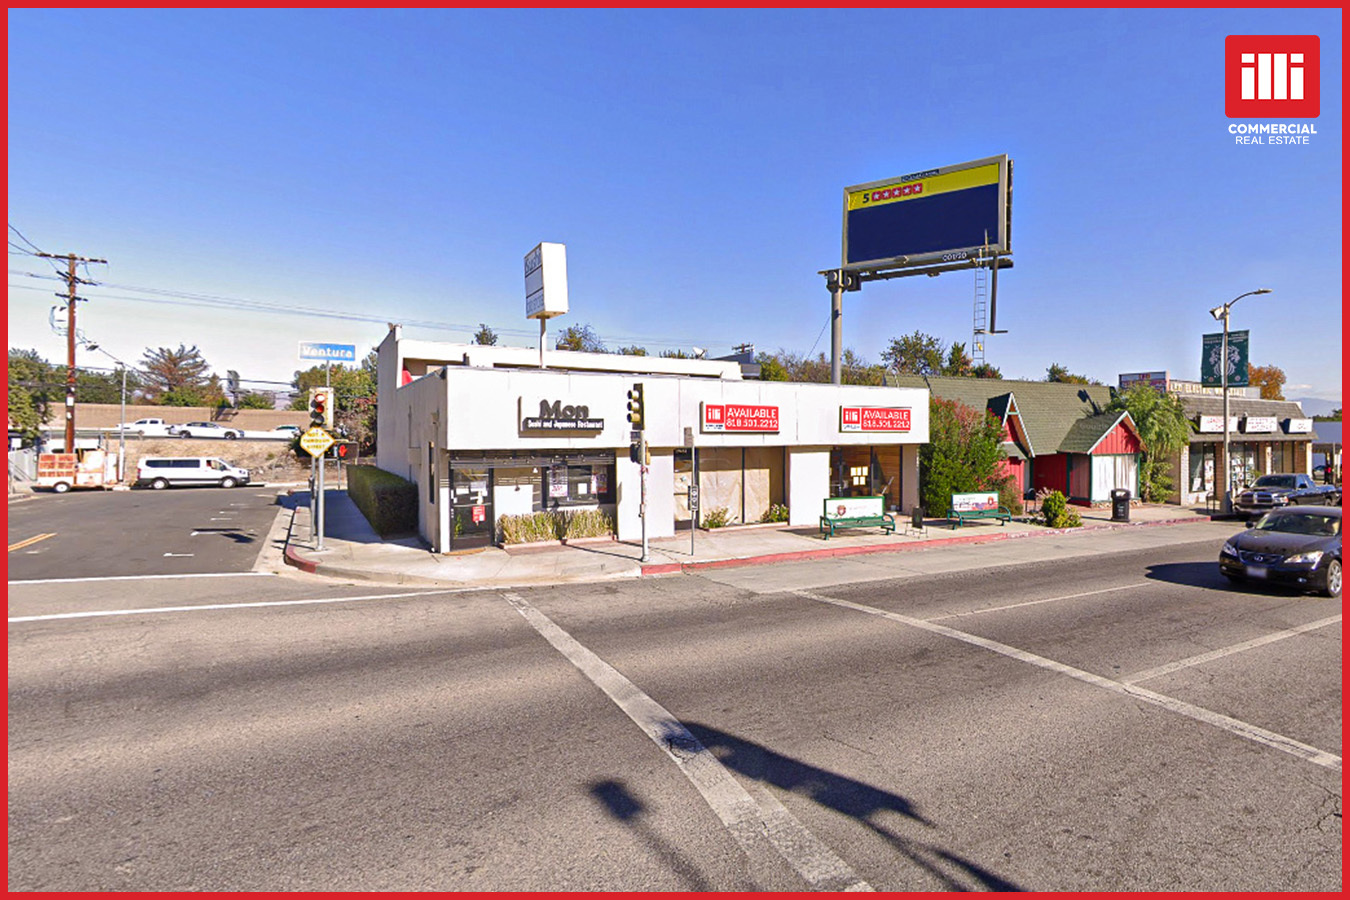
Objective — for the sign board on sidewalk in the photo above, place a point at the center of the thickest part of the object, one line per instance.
(973, 502)
(854, 507)
(315, 441)
(309, 350)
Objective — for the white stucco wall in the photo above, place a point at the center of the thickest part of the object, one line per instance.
(808, 484)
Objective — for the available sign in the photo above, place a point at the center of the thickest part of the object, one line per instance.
(721, 417)
(873, 418)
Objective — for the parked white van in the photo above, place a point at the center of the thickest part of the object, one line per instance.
(160, 472)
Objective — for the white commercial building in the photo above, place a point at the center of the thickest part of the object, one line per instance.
(486, 432)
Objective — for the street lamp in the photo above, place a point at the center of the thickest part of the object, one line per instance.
(122, 420)
(1221, 313)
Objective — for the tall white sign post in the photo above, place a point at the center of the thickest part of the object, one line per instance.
(545, 287)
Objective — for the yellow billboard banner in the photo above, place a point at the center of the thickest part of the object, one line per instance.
(913, 188)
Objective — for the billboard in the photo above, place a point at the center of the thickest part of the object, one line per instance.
(946, 214)
(1211, 350)
(546, 281)
(1155, 380)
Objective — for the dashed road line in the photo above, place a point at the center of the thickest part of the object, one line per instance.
(1235, 726)
(748, 821)
(138, 577)
(30, 541)
(1212, 655)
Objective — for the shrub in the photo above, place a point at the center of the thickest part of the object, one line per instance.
(717, 517)
(1010, 496)
(1055, 511)
(555, 525)
(776, 512)
(388, 502)
(538, 526)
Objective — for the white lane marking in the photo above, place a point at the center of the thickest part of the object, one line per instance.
(181, 554)
(976, 612)
(1235, 726)
(1203, 658)
(139, 577)
(259, 604)
(743, 817)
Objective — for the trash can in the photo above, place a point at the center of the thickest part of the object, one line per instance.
(1120, 505)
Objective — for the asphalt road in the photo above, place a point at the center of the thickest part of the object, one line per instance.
(90, 534)
(1100, 721)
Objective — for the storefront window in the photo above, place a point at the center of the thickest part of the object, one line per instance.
(1243, 463)
(578, 485)
(1202, 468)
(1281, 457)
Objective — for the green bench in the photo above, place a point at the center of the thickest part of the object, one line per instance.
(973, 507)
(855, 512)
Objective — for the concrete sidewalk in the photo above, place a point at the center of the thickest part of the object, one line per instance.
(352, 550)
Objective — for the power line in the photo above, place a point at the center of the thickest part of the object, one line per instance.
(215, 301)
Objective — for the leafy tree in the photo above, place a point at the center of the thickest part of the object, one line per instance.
(1269, 378)
(580, 337)
(103, 387)
(485, 336)
(1060, 374)
(632, 350)
(770, 368)
(256, 400)
(175, 371)
(1163, 428)
(984, 370)
(915, 354)
(964, 449)
(957, 362)
(676, 354)
(33, 389)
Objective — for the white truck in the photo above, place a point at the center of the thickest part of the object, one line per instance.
(146, 428)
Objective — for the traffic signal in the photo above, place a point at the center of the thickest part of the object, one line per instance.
(321, 407)
(636, 415)
(340, 450)
(635, 452)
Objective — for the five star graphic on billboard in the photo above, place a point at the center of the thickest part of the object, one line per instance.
(1270, 76)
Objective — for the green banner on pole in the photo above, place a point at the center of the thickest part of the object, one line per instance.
(1211, 350)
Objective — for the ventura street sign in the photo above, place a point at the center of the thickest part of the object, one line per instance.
(328, 352)
(316, 441)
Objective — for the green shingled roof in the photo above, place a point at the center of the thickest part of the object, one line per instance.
(1052, 413)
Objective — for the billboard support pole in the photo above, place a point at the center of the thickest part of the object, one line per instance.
(836, 285)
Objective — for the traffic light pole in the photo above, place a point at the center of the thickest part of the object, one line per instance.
(642, 510)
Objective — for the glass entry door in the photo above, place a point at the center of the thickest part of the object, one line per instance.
(471, 519)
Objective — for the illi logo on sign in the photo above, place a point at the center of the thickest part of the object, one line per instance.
(1272, 76)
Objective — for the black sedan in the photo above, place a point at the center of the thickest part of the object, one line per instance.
(1298, 546)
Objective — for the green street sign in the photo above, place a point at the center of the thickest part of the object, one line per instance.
(1211, 351)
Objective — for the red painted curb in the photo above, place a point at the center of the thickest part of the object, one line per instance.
(304, 565)
(825, 553)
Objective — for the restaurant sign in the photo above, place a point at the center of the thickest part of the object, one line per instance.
(554, 416)
(739, 417)
(1261, 425)
(873, 418)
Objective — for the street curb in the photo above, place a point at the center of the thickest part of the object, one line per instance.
(830, 552)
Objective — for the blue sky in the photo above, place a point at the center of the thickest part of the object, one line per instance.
(398, 165)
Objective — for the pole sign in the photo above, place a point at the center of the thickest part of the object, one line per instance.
(1211, 349)
(946, 214)
(309, 350)
(546, 281)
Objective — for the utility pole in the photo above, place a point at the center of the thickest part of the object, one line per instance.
(71, 259)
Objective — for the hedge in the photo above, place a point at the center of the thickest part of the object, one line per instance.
(388, 502)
